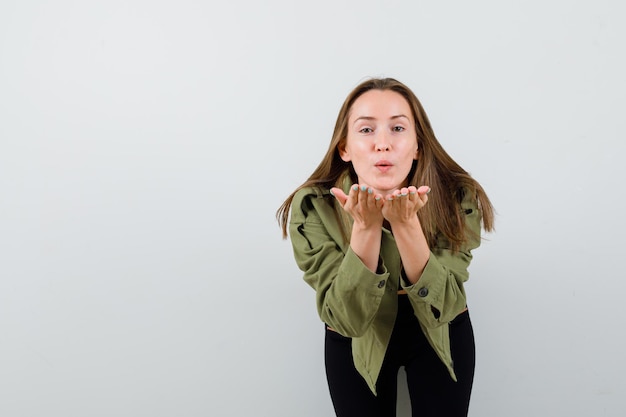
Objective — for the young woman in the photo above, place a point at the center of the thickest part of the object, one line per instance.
(383, 230)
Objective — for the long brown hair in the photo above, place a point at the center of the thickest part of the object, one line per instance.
(434, 167)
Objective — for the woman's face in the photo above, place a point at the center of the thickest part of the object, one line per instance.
(381, 142)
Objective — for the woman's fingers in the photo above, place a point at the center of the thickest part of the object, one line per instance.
(405, 202)
(339, 195)
(361, 202)
(422, 192)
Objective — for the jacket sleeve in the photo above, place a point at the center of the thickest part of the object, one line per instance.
(348, 294)
(438, 296)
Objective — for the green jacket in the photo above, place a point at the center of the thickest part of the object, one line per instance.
(361, 304)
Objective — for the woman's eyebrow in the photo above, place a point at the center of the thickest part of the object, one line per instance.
(364, 118)
(398, 116)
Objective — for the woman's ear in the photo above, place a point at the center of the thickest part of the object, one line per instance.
(343, 153)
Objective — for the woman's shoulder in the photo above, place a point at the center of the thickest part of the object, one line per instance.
(316, 191)
(308, 201)
(466, 195)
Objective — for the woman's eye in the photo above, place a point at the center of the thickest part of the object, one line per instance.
(398, 129)
(366, 130)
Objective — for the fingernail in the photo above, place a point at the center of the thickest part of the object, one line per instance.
(370, 191)
(377, 198)
(428, 192)
(363, 188)
(331, 193)
(355, 187)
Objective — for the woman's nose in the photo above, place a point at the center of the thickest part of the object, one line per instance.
(382, 144)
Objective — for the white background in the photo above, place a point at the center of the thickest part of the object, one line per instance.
(145, 146)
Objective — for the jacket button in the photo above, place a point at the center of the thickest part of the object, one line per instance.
(381, 284)
(423, 292)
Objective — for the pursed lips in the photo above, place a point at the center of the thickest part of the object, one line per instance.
(383, 165)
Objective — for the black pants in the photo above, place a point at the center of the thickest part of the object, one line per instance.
(432, 391)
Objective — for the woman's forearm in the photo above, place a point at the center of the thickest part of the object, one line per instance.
(413, 248)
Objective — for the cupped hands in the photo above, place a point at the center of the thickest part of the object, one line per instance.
(369, 208)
